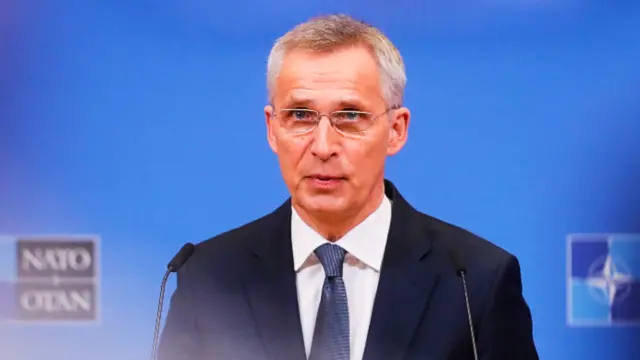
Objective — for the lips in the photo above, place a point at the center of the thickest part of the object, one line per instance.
(323, 177)
(325, 181)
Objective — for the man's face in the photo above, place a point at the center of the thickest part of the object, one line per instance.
(325, 170)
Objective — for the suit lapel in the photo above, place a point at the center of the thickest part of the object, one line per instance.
(407, 279)
(271, 289)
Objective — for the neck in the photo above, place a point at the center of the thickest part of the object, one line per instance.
(333, 226)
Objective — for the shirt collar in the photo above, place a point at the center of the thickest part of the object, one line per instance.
(366, 242)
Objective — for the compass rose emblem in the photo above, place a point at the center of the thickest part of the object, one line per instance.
(609, 280)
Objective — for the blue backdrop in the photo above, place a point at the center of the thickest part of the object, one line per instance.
(141, 122)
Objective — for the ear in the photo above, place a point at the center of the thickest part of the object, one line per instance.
(270, 122)
(398, 130)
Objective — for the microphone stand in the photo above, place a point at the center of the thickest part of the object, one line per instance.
(156, 332)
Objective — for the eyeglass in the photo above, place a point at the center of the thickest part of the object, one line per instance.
(349, 122)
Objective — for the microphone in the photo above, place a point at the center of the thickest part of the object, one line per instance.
(174, 265)
(461, 271)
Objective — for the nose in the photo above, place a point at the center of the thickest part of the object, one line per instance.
(324, 145)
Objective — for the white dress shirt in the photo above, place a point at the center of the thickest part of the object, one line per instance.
(365, 245)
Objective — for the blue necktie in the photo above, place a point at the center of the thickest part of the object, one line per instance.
(331, 335)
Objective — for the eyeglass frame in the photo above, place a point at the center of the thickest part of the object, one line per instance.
(318, 117)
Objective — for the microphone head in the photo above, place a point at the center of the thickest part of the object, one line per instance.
(456, 260)
(181, 257)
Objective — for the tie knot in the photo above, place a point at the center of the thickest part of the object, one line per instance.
(331, 257)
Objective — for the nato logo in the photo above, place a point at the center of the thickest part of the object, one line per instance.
(49, 279)
(603, 280)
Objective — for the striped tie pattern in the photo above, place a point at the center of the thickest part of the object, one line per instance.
(331, 335)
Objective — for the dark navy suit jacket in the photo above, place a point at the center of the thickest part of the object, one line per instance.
(236, 297)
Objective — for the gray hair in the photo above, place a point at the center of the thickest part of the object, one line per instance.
(327, 33)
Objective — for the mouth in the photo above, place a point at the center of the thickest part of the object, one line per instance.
(326, 177)
(325, 181)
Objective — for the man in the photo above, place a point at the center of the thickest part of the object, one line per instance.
(346, 268)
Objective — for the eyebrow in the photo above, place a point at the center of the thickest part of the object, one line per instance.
(293, 101)
(345, 103)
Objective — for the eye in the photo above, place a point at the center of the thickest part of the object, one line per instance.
(349, 115)
(299, 114)
(352, 115)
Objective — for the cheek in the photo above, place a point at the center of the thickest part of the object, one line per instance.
(364, 157)
(291, 152)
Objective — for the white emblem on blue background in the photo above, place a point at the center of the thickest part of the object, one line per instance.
(603, 285)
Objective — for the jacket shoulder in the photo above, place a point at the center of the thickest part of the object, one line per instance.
(237, 239)
(474, 251)
(228, 251)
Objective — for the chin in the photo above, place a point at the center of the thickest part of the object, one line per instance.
(322, 203)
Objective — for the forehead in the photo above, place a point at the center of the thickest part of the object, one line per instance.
(344, 75)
